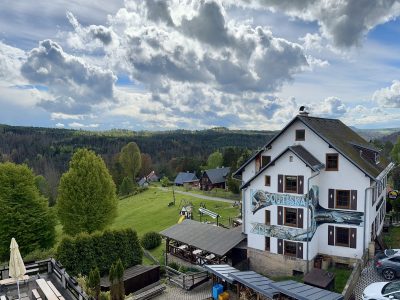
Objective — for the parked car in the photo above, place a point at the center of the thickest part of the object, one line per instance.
(382, 291)
(387, 263)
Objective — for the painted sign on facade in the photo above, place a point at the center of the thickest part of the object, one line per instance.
(319, 215)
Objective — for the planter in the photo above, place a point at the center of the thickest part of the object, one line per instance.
(326, 263)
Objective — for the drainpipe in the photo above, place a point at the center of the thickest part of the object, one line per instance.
(372, 188)
(308, 219)
(244, 209)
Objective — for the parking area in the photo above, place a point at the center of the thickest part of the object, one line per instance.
(368, 276)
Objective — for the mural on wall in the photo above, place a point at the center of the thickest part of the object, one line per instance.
(319, 215)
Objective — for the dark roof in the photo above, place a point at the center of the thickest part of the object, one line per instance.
(222, 271)
(183, 177)
(319, 278)
(301, 291)
(217, 175)
(142, 181)
(257, 282)
(340, 137)
(343, 139)
(302, 153)
(130, 273)
(214, 239)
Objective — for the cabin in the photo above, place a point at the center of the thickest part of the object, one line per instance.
(186, 177)
(214, 178)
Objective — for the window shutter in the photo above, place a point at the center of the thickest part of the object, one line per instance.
(300, 218)
(331, 235)
(353, 238)
(280, 246)
(300, 184)
(280, 183)
(353, 199)
(299, 250)
(280, 215)
(331, 198)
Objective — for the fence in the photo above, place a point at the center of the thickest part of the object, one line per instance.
(186, 281)
(51, 266)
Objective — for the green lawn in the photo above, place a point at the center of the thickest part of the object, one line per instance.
(220, 193)
(149, 210)
(341, 277)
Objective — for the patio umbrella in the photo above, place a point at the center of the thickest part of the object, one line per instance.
(16, 266)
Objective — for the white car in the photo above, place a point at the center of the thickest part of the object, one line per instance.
(382, 291)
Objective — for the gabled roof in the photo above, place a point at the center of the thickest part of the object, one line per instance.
(217, 175)
(340, 137)
(183, 177)
(302, 153)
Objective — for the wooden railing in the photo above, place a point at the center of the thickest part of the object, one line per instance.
(51, 266)
(186, 281)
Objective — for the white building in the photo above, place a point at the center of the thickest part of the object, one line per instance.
(316, 188)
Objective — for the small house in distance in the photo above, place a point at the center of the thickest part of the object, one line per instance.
(144, 181)
(214, 178)
(185, 177)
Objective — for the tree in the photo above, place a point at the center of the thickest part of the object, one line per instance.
(233, 185)
(116, 277)
(94, 283)
(243, 158)
(395, 174)
(147, 165)
(126, 187)
(215, 160)
(86, 196)
(165, 181)
(131, 160)
(24, 212)
(395, 153)
(44, 189)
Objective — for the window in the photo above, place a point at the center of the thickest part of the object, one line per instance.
(267, 243)
(267, 217)
(290, 217)
(265, 160)
(332, 162)
(290, 184)
(343, 199)
(267, 180)
(290, 248)
(300, 135)
(342, 237)
(291, 158)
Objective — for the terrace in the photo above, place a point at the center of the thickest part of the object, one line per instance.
(47, 280)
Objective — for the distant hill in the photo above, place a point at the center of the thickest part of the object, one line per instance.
(385, 134)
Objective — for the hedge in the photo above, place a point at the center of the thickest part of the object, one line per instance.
(85, 252)
(151, 240)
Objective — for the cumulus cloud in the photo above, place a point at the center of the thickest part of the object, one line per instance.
(11, 59)
(388, 97)
(345, 22)
(75, 86)
(80, 125)
(330, 107)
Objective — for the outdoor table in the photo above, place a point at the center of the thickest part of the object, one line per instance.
(210, 257)
(196, 252)
(47, 291)
(183, 247)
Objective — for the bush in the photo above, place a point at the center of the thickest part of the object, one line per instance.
(174, 265)
(85, 252)
(151, 240)
(165, 181)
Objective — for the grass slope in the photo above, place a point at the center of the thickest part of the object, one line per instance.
(149, 211)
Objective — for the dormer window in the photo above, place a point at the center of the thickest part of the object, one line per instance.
(332, 162)
(300, 135)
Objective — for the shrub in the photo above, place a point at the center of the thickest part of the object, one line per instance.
(165, 181)
(85, 252)
(174, 265)
(151, 240)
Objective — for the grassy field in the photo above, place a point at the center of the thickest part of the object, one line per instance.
(220, 193)
(149, 210)
(392, 239)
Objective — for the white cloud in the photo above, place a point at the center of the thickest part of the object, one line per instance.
(330, 107)
(60, 125)
(388, 96)
(76, 86)
(11, 59)
(80, 125)
(344, 22)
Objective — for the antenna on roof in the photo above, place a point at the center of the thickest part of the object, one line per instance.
(303, 110)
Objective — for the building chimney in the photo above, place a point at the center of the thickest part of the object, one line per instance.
(303, 111)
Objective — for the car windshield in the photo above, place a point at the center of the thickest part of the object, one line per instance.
(390, 252)
(391, 287)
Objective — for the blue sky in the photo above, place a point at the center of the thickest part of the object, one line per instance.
(160, 65)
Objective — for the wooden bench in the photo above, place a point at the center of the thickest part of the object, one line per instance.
(46, 290)
(10, 281)
(54, 289)
(150, 293)
(35, 295)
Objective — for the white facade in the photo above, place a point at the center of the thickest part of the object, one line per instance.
(349, 179)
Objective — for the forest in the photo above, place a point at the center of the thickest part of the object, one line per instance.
(48, 150)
